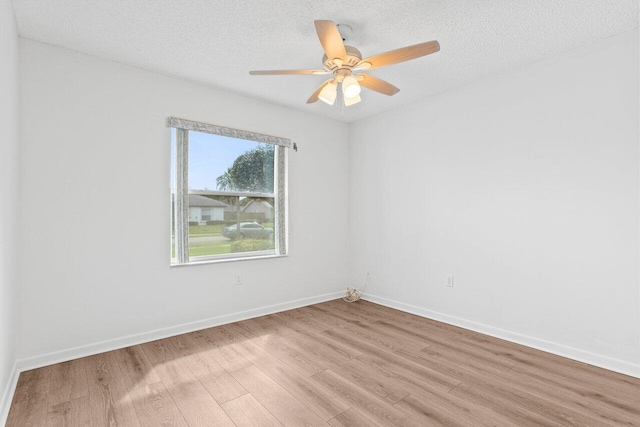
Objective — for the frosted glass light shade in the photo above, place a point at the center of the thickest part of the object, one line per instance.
(328, 93)
(351, 101)
(350, 87)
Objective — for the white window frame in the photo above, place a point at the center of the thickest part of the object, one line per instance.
(181, 203)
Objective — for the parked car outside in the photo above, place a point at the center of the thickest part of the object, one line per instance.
(248, 230)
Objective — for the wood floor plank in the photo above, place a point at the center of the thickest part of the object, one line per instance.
(279, 402)
(167, 363)
(68, 382)
(382, 384)
(574, 400)
(352, 418)
(402, 366)
(73, 413)
(366, 329)
(376, 409)
(240, 331)
(370, 313)
(350, 315)
(515, 352)
(562, 370)
(406, 373)
(388, 385)
(286, 352)
(223, 388)
(379, 312)
(301, 322)
(390, 364)
(509, 399)
(445, 409)
(197, 405)
(502, 384)
(264, 327)
(110, 401)
(323, 356)
(155, 407)
(468, 369)
(456, 345)
(324, 403)
(33, 382)
(348, 351)
(197, 357)
(384, 343)
(616, 408)
(31, 412)
(322, 316)
(190, 396)
(526, 404)
(222, 351)
(453, 352)
(275, 324)
(341, 336)
(31, 399)
(246, 411)
(135, 369)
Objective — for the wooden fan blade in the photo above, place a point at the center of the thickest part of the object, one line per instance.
(313, 98)
(399, 55)
(279, 72)
(377, 84)
(331, 40)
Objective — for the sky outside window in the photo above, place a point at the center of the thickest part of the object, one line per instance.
(211, 155)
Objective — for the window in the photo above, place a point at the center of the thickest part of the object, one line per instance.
(228, 193)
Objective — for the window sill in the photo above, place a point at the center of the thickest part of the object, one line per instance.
(221, 260)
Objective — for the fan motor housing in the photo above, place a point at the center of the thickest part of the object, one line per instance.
(353, 58)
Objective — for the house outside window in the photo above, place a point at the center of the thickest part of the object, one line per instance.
(228, 193)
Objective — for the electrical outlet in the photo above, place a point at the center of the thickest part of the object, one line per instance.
(238, 279)
(450, 281)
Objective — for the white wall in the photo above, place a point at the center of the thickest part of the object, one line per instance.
(94, 138)
(524, 186)
(8, 197)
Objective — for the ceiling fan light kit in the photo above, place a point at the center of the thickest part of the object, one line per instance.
(351, 101)
(328, 93)
(344, 61)
(350, 87)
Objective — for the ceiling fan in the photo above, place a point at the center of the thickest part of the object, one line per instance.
(345, 63)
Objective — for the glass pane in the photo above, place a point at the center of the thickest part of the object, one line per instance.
(236, 224)
(229, 164)
(172, 180)
(173, 228)
(172, 186)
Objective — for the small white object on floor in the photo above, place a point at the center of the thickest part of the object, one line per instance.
(351, 295)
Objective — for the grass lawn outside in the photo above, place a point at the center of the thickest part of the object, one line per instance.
(205, 229)
(206, 248)
(210, 248)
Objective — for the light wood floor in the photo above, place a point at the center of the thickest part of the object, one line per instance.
(332, 364)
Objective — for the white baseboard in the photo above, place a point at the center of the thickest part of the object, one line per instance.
(34, 362)
(7, 394)
(621, 366)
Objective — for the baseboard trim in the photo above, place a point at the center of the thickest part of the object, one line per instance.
(39, 361)
(594, 359)
(7, 395)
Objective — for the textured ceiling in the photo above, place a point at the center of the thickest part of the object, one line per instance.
(218, 42)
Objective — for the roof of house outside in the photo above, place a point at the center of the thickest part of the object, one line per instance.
(197, 200)
(264, 203)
